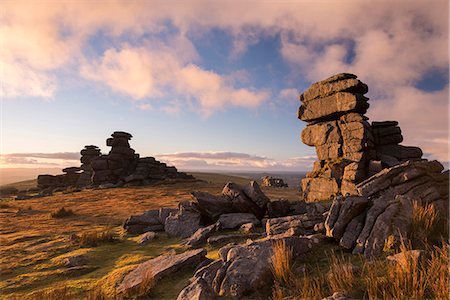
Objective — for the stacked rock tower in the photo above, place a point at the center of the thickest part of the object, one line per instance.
(87, 155)
(111, 167)
(349, 149)
(334, 110)
(123, 166)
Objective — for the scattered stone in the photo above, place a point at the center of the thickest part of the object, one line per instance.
(76, 261)
(407, 259)
(247, 228)
(235, 220)
(146, 237)
(240, 201)
(338, 296)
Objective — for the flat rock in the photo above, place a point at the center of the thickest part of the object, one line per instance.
(160, 267)
(235, 220)
(299, 225)
(227, 238)
(406, 258)
(326, 88)
(332, 106)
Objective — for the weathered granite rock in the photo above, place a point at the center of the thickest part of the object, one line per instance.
(199, 289)
(184, 222)
(228, 238)
(243, 269)
(212, 206)
(240, 202)
(278, 208)
(148, 221)
(253, 191)
(160, 267)
(352, 231)
(235, 220)
(331, 106)
(338, 296)
(343, 83)
(300, 224)
(350, 208)
(201, 235)
(317, 189)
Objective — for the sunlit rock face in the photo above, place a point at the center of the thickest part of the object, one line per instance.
(349, 149)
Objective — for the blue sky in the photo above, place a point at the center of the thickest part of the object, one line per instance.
(206, 85)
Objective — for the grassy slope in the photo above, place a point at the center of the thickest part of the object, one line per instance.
(33, 245)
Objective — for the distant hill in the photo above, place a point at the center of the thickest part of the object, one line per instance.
(11, 175)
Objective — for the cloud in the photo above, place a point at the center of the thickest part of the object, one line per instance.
(57, 155)
(61, 159)
(161, 72)
(209, 160)
(391, 50)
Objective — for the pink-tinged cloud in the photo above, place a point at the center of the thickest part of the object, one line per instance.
(233, 161)
(32, 160)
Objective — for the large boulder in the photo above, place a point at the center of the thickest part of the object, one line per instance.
(235, 220)
(201, 235)
(212, 206)
(184, 222)
(244, 269)
(240, 201)
(160, 267)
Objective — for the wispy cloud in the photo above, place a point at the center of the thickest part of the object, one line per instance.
(62, 159)
(209, 160)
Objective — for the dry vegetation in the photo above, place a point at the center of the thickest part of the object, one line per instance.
(357, 277)
(34, 244)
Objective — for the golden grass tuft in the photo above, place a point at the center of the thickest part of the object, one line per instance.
(61, 213)
(281, 262)
(94, 238)
(341, 277)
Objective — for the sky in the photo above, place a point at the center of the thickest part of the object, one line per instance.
(212, 85)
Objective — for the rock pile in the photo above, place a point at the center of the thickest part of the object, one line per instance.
(68, 179)
(110, 168)
(275, 182)
(384, 207)
(348, 147)
(121, 166)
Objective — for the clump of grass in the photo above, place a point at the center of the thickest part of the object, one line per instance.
(286, 284)
(281, 262)
(51, 294)
(341, 275)
(94, 238)
(61, 213)
(438, 272)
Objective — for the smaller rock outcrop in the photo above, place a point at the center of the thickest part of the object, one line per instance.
(274, 182)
